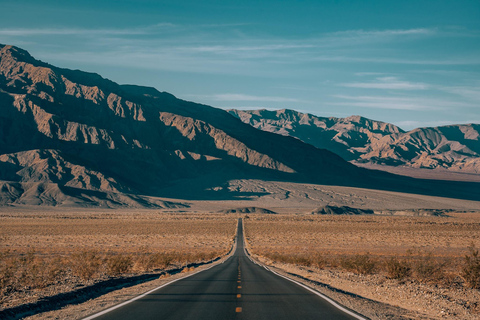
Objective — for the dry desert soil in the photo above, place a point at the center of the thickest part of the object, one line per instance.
(138, 250)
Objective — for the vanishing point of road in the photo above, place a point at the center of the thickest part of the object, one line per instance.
(234, 289)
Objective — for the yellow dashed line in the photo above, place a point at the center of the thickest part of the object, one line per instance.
(239, 295)
(239, 287)
(238, 309)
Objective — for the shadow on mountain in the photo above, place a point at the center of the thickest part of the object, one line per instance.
(93, 141)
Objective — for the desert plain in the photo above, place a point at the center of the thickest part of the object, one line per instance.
(49, 251)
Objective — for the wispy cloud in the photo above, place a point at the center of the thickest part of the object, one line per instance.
(469, 92)
(418, 124)
(399, 103)
(386, 33)
(411, 124)
(214, 49)
(244, 97)
(82, 31)
(394, 60)
(390, 83)
(364, 74)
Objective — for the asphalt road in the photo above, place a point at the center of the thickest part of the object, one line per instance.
(235, 289)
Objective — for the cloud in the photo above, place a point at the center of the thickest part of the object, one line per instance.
(399, 103)
(411, 124)
(390, 83)
(214, 49)
(363, 74)
(383, 60)
(385, 33)
(244, 97)
(82, 31)
(468, 92)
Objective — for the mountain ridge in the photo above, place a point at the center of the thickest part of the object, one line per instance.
(73, 138)
(70, 128)
(362, 140)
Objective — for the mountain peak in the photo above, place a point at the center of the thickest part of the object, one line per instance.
(16, 53)
(110, 138)
(356, 138)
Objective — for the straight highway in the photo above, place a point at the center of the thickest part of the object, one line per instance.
(235, 289)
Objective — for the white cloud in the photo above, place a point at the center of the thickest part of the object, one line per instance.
(399, 103)
(383, 60)
(364, 74)
(471, 93)
(386, 33)
(412, 124)
(82, 31)
(244, 97)
(421, 124)
(390, 83)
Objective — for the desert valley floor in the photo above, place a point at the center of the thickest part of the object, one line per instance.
(343, 256)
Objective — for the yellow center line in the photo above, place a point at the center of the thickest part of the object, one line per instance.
(239, 295)
(239, 287)
(238, 309)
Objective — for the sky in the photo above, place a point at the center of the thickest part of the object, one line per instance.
(410, 63)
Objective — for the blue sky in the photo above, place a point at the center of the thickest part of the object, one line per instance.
(411, 63)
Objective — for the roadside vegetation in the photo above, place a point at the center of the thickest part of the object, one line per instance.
(420, 267)
(436, 250)
(429, 265)
(33, 272)
(44, 254)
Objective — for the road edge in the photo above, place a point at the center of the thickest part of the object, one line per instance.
(227, 256)
(321, 295)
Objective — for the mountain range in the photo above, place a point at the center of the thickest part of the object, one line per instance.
(73, 138)
(361, 140)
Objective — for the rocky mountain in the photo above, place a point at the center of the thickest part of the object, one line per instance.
(73, 138)
(361, 140)
(66, 132)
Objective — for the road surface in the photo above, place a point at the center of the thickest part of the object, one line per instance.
(235, 289)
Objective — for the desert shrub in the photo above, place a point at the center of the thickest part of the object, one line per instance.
(8, 267)
(471, 269)
(164, 260)
(397, 269)
(32, 271)
(428, 269)
(28, 271)
(86, 264)
(56, 270)
(302, 260)
(161, 260)
(118, 264)
(144, 262)
(318, 261)
(360, 264)
(296, 259)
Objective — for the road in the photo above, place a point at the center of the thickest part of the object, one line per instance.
(235, 289)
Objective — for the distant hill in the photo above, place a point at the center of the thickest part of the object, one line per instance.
(248, 210)
(358, 139)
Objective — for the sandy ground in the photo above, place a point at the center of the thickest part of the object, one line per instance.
(374, 295)
(287, 197)
(422, 173)
(377, 297)
(378, 235)
(60, 231)
(48, 235)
